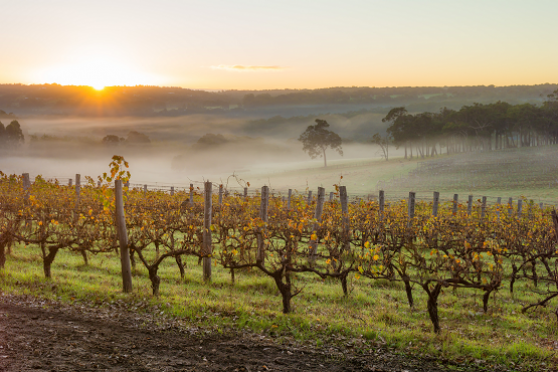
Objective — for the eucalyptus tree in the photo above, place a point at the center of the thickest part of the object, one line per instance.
(316, 139)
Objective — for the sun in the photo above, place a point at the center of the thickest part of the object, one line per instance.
(97, 70)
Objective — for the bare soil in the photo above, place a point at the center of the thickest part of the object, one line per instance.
(36, 335)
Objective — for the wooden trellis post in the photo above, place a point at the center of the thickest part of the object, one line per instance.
(435, 204)
(289, 196)
(207, 239)
(455, 203)
(264, 204)
(344, 198)
(78, 186)
(483, 207)
(381, 204)
(318, 217)
(411, 208)
(191, 195)
(122, 238)
(26, 186)
(498, 203)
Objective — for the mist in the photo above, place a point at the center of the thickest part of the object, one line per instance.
(60, 147)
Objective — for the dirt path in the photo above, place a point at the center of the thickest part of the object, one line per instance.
(36, 337)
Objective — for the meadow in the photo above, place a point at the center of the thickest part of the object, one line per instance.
(529, 172)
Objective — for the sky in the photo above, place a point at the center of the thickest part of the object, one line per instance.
(245, 44)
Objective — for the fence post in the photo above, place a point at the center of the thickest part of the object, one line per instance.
(191, 195)
(144, 190)
(519, 207)
(555, 221)
(344, 198)
(510, 207)
(245, 193)
(122, 238)
(483, 207)
(541, 206)
(435, 203)
(172, 191)
(498, 203)
(98, 183)
(331, 194)
(309, 201)
(455, 202)
(207, 246)
(220, 194)
(26, 185)
(78, 185)
(318, 217)
(264, 203)
(289, 196)
(381, 204)
(411, 204)
(70, 182)
(469, 205)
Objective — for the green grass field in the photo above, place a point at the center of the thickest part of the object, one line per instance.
(525, 172)
(375, 312)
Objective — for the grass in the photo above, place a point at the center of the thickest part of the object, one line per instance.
(530, 172)
(375, 312)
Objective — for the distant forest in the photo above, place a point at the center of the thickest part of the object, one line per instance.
(476, 127)
(53, 99)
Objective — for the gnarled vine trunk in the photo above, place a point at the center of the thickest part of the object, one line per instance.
(432, 304)
(155, 279)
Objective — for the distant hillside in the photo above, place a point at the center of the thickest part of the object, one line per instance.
(53, 99)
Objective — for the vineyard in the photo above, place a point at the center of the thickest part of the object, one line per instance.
(386, 266)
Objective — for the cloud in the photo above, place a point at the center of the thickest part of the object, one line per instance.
(247, 68)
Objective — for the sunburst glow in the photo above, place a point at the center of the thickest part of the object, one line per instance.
(98, 72)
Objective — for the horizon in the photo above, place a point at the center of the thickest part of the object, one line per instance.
(217, 90)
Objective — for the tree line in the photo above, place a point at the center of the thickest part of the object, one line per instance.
(174, 101)
(476, 127)
(11, 135)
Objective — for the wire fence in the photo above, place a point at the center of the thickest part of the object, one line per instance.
(332, 194)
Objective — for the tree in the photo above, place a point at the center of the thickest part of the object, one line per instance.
(137, 137)
(2, 133)
(13, 134)
(316, 139)
(383, 142)
(398, 128)
(210, 140)
(111, 139)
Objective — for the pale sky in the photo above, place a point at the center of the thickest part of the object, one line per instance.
(244, 44)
